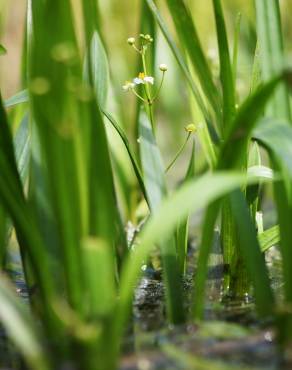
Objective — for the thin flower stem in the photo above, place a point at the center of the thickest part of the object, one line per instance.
(151, 116)
(147, 90)
(178, 153)
(160, 86)
(139, 96)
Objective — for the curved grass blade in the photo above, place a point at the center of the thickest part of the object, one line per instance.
(199, 103)
(276, 137)
(19, 98)
(21, 328)
(132, 156)
(234, 149)
(190, 198)
(178, 56)
(189, 39)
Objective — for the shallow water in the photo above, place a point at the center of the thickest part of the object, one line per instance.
(231, 337)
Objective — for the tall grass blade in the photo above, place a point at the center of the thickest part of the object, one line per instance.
(189, 39)
(226, 74)
(153, 171)
(271, 47)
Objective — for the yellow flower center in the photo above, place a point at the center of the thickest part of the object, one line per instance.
(141, 75)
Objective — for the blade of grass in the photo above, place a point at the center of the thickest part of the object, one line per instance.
(276, 138)
(21, 328)
(189, 39)
(21, 97)
(131, 153)
(269, 238)
(201, 109)
(272, 49)
(226, 75)
(191, 197)
(153, 170)
(182, 231)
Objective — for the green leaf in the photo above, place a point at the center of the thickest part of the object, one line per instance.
(202, 113)
(226, 74)
(276, 137)
(154, 179)
(100, 69)
(233, 151)
(19, 98)
(182, 231)
(191, 197)
(21, 328)
(188, 36)
(131, 153)
(270, 42)
(251, 253)
(269, 238)
(178, 56)
(3, 51)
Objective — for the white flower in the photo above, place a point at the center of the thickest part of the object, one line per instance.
(131, 41)
(163, 67)
(142, 79)
(128, 86)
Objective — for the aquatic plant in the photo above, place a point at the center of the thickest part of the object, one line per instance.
(64, 191)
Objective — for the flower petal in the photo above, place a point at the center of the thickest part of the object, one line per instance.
(138, 81)
(149, 80)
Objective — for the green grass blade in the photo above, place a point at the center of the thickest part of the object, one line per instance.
(269, 238)
(53, 66)
(226, 74)
(235, 48)
(21, 328)
(252, 256)
(205, 250)
(131, 153)
(189, 39)
(234, 150)
(270, 41)
(182, 231)
(276, 137)
(178, 55)
(191, 197)
(154, 179)
(100, 69)
(202, 113)
(19, 98)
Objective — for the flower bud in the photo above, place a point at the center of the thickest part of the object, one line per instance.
(131, 41)
(191, 128)
(163, 67)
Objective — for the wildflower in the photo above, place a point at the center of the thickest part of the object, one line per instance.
(131, 41)
(163, 67)
(142, 79)
(128, 86)
(191, 128)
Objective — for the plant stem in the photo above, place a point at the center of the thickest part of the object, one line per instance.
(178, 153)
